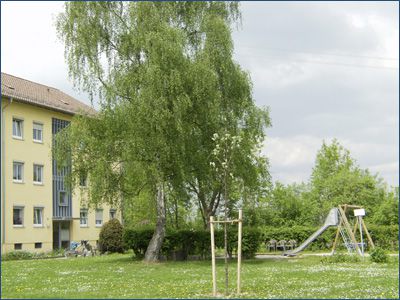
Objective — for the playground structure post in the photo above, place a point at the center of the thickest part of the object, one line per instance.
(214, 277)
(239, 250)
(361, 236)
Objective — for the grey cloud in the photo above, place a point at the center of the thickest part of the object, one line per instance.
(299, 26)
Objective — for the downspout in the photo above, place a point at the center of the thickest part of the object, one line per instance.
(3, 184)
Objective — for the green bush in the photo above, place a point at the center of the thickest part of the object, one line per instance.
(378, 255)
(251, 240)
(386, 237)
(340, 258)
(137, 240)
(17, 255)
(111, 237)
(23, 255)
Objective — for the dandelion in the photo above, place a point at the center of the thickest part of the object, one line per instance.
(215, 136)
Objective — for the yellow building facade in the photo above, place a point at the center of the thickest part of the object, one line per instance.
(38, 212)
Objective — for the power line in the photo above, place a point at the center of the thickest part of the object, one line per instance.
(325, 54)
(322, 62)
(340, 64)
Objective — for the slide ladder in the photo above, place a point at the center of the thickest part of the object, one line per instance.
(347, 240)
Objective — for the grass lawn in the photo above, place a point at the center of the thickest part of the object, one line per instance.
(118, 276)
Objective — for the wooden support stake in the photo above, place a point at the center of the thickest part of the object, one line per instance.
(337, 236)
(368, 236)
(214, 275)
(239, 250)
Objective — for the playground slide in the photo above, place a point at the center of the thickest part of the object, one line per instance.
(331, 220)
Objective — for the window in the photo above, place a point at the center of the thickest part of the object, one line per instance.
(17, 128)
(38, 245)
(38, 216)
(38, 132)
(63, 200)
(82, 180)
(84, 218)
(99, 217)
(18, 171)
(112, 214)
(18, 216)
(37, 173)
(18, 246)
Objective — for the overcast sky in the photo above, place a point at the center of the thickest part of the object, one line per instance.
(326, 70)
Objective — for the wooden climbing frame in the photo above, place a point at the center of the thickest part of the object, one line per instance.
(344, 224)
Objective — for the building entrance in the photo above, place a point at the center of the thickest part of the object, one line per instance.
(61, 234)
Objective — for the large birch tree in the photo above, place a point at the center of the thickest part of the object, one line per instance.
(166, 81)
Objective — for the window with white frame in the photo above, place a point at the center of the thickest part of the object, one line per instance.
(112, 213)
(18, 171)
(99, 217)
(18, 216)
(37, 132)
(63, 198)
(37, 173)
(18, 128)
(38, 216)
(83, 217)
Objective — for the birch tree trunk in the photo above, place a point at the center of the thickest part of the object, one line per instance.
(154, 248)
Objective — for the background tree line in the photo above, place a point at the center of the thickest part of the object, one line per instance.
(336, 179)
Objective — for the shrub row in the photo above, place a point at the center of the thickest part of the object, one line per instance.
(23, 255)
(385, 237)
(179, 244)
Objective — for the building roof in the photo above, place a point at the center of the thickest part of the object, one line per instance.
(26, 91)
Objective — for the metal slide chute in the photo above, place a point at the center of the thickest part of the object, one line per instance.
(331, 220)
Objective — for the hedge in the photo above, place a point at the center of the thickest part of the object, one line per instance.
(179, 244)
(25, 255)
(383, 236)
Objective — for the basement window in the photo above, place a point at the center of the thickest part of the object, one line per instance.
(18, 246)
(38, 245)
